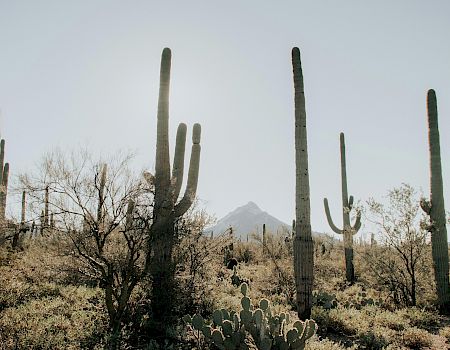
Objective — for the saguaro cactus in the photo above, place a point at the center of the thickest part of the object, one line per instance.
(22, 227)
(264, 238)
(303, 243)
(167, 208)
(4, 174)
(45, 218)
(348, 230)
(101, 198)
(435, 208)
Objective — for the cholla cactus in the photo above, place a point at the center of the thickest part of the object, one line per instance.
(229, 330)
(348, 230)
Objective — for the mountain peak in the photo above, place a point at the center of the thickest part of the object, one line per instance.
(252, 205)
(247, 219)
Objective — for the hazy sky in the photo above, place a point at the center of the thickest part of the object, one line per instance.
(87, 72)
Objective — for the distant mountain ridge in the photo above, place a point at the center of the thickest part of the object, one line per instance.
(248, 219)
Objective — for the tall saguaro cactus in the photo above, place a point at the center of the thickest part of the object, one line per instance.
(303, 243)
(167, 209)
(264, 238)
(348, 230)
(436, 210)
(4, 174)
(101, 198)
(22, 228)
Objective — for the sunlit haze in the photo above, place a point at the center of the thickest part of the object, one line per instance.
(87, 73)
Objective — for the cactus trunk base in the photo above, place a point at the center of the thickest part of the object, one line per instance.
(349, 268)
(441, 272)
(303, 269)
(163, 280)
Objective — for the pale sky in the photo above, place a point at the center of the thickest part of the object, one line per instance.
(87, 72)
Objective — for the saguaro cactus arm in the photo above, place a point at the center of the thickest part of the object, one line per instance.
(194, 165)
(357, 225)
(129, 215)
(5, 178)
(101, 194)
(2, 159)
(178, 160)
(22, 216)
(350, 203)
(4, 190)
(425, 205)
(329, 219)
(162, 164)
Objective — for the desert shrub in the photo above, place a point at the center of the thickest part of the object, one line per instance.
(390, 320)
(348, 321)
(15, 291)
(197, 257)
(357, 296)
(329, 267)
(74, 319)
(280, 280)
(445, 332)
(245, 252)
(419, 317)
(373, 338)
(324, 344)
(401, 264)
(323, 320)
(416, 338)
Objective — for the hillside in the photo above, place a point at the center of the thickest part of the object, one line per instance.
(248, 219)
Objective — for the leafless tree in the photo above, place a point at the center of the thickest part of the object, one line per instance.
(104, 212)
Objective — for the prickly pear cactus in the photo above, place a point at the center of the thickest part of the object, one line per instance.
(230, 331)
(324, 299)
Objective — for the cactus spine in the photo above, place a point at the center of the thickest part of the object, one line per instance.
(167, 208)
(348, 230)
(4, 174)
(303, 243)
(435, 208)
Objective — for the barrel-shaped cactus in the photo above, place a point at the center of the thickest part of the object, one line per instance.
(348, 230)
(303, 243)
(436, 210)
